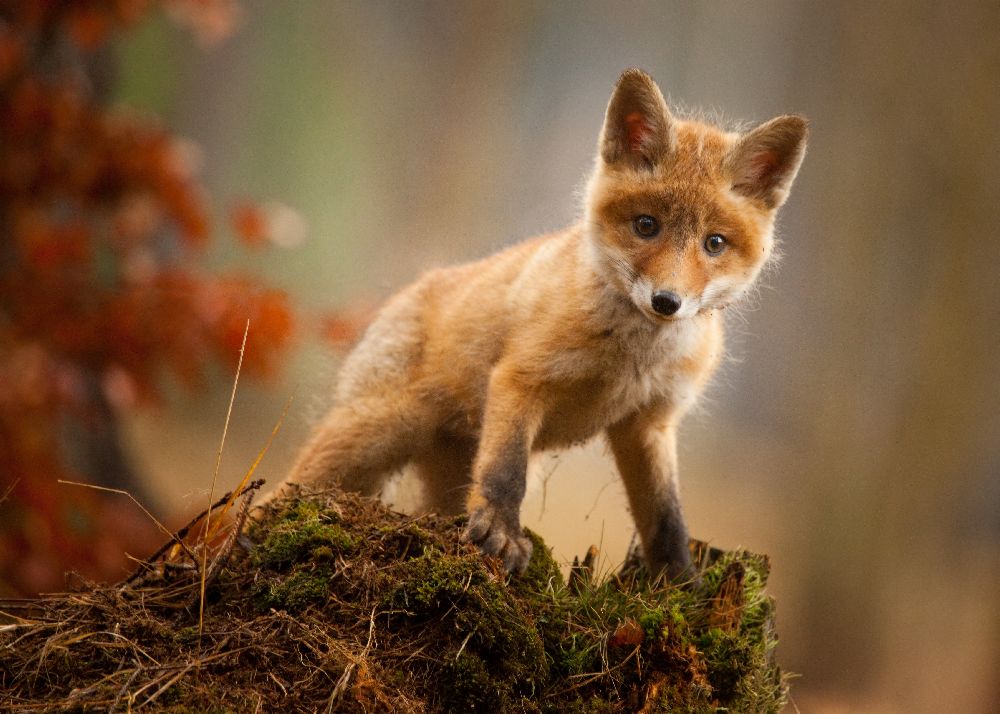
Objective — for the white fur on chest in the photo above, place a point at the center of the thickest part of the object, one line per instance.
(638, 365)
(645, 368)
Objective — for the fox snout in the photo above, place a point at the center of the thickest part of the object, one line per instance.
(665, 303)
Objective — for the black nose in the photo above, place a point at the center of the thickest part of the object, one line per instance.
(666, 302)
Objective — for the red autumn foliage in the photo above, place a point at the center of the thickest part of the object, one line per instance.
(250, 224)
(341, 329)
(102, 224)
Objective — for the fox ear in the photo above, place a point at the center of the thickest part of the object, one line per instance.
(763, 163)
(638, 129)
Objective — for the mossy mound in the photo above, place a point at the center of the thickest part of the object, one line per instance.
(337, 604)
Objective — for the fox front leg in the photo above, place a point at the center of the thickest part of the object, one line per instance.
(645, 448)
(499, 474)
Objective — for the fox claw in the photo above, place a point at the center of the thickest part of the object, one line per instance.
(495, 536)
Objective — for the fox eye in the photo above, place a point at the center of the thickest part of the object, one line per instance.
(715, 244)
(645, 226)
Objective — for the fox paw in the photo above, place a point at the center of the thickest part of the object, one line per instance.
(682, 573)
(499, 536)
(675, 566)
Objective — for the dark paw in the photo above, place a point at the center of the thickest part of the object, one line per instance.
(675, 567)
(499, 536)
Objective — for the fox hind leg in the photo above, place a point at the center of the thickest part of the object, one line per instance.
(446, 472)
(360, 444)
(382, 418)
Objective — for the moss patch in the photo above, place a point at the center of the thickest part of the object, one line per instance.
(344, 604)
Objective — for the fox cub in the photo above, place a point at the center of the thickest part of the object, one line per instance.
(613, 325)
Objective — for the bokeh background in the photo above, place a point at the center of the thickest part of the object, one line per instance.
(853, 433)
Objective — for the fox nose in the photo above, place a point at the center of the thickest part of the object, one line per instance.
(666, 302)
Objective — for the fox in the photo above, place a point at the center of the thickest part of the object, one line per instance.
(611, 326)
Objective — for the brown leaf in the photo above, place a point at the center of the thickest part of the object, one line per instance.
(628, 634)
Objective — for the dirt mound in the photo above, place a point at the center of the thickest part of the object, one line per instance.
(330, 602)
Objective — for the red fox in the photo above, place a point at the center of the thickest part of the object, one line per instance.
(613, 325)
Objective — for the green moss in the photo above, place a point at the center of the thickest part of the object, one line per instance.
(187, 635)
(581, 705)
(294, 592)
(304, 532)
(577, 656)
(543, 576)
(469, 686)
(738, 659)
(409, 541)
(679, 699)
(505, 644)
(498, 657)
(322, 553)
(709, 667)
(429, 582)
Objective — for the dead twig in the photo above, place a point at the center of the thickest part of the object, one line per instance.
(178, 537)
(227, 547)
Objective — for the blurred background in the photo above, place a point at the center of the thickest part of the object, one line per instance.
(295, 163)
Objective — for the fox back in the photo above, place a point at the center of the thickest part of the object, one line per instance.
(611, 326)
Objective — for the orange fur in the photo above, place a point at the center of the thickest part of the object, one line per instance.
(472, 368)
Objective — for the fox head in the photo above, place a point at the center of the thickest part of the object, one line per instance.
(681, 214)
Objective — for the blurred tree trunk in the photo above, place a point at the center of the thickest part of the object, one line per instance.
(90, 433)
(101, 292)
